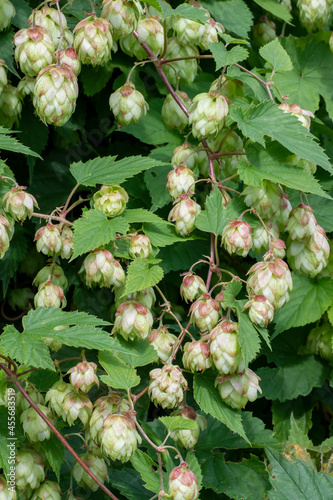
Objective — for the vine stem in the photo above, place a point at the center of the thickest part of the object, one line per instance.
(54, 217)
(56, 432)
(71, 194)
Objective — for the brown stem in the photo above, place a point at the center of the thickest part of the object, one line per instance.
(266, 84)
(70, 196)
(27, 371)
(54, 217)
(138, 396)
(56, 432)
(212, 257)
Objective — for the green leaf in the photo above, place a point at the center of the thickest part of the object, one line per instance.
(148, 470)
(119, 374)
(95, 79)
(293, 379)
(13, 257)
(296, 480)
(193, 462)
(139, 352)
(224, 12)
(42, 320)
(162, 236)
(309, 299)
(140, 276)
(15, 431)
(7, 50)
(141, 215)
(174, 424)
(267, 119)
(104, 230)
(258, 90)
(129, 482)
(231, 291)
(156, 181)
(183, 255)
(214, 218)
(248, 335)
(301, 409)
(191, 12)
(209, 400)
(23, 11)
(55, 453)
(297, 435)
(109, 171)
(276, 56)
(86, 337)
(275, 8)
(9, 143)
(224, 57)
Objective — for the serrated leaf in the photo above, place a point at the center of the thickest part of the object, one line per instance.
(191, 12)
(195, 467)
(55, 452)
(296, 480)
(139, 352)
(148, 470)
(214, 218)
(140, 276)
(141, 215)
(224, 57)
(23, 11)
(267, 119)
(309, 299)
(162, 236)
(300, 408)
(224, 12)
(230, 39)
(174, 424)
(7, 50)
(156, 181)
(9, 143)
(86, 337)
(119, 374)
(293, 379)
(18, 249)
(104, 230)
(248, 336)
(277, 9)
(40, 319)
(129, 482)
(209, 400)
(108, 170)
(95, 79)
(297, 435)
(258, 90)
(276, 56)
(231, 290)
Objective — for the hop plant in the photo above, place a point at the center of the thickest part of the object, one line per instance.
(205, 312)
(264, 31)
(310, 256)
(6, 492)
(278, 248)
(167, 386)
(104, 407)
(188, 437)
(331, 43)
(48, 240)
(26, 86)
(50, 295)
(183, 484)
(180, 71)
(163, 342)
(269, 201)
(83, 376)
(197, 356)
(96, 465)
(55, 397)
(29, 469)
(238, 388)
(67, 243)
(227, 86)
(6, 234)
(3, 75)
(236, 237)
(302, 115)
(207, 114)
(93, 40)
(119, 437)
(260, 236)
(314, 14)
(7, 12)
(70, 57)
(192, 287)
(133, 320)
(55, 93)
(77, 405)
(319, 341)
(225, 349)
(111, 200)
(33, 49)
(146, 296)
(19, 204)
(49, 490)
(34, 426)
(128, 104)
(184, 155)
(302, 223)
(188, 32)
(149, 31)
(172, 114)
(22, 404)
(180, 181)
(51, 20)
(227, 142)
(271, 278)
(123, 15)
(140, 246)
(10, 106)
(261, 311)
(211, 34)
(184, 214)
(98, 268)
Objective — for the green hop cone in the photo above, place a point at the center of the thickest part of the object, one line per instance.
(29, 469)
(140, 246)
(123, 15)
(188, 32)
(128, 104)
(26, 86)
(207, 114)
(314, 14)
(146, 296)
(205, 312)
(327, 271)
(49, 490)
(104, 407)
(67, 243)
(3, 75)
(319, 341)
(261, 311)
(76, 405)
(196, 356)
(133, 320)
(188, 437)
(93, 40)
(19, 204)
(55, 94)
(180, 181)
(302, 115)
(184, 214)
(55, 273)
(51, 20)
(271, 278)
(22, 404)
(264, 31)
(10, 106)
(260, 236)
(192, 287)
(211, 34)
(83, 376)
(227, 86)
(225, 348)
(33, 49)
(181, 71)
(167, 386)
(50, 295)
(6, 491)
(111, 200)
(183, 484)
(98, 269)
(238, 388)
(172, 114)
(278, 248)
(119, 437)
(70, 57)
(237, 237)
(309, 256)
(96, 465)
(48, 240)
(6, 234)
(163, 342)
(151, 32)
(55, 397)
(7, 12)
(232, 143)
(184, 155)
(34, 427)
(302, 223)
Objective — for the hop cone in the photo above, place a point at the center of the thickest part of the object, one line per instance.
(163, 342)
(140, 246)
(236, 237)
(302, 115)
(48, 240)
(34, 426)
(33, 50)
(314, 14)
(151, 32)
(183, 71)
(146, 296)
(260, 236)
(6, 234)
(319, 341)
(22, 404)
(55, 397)
(128, 104)
(49, 490)
(26, 86)
(224, 347)
(67, 243)
(50, 19)
(183, 484)
(55, 94)
(167, 386)
(5, 492)
(172, 114)
(111, 200)
(3, 75)
(19, 204)
(184, 155)
(188, 437)
(93, 40)
(205, 312)
(98, 268)
(119, 437)
(49, 295)
(261, 311)
(211, 34)
(207, 114)
(77, 405)
(264, 31)
(192, 287)
(265, 200)
(188, 32)
(83, 376)
(278, 248)
(7, 12)
(196, 356)
(29, 469)
(310, 256)
(10, 106)
(70, 57)
(133, 320)
(184, 214)
(238, 388)
(96, 465)
(180, 181)
(104, 407)
(302, 223)
(231, 143)
(272, 279)
(123, 15)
